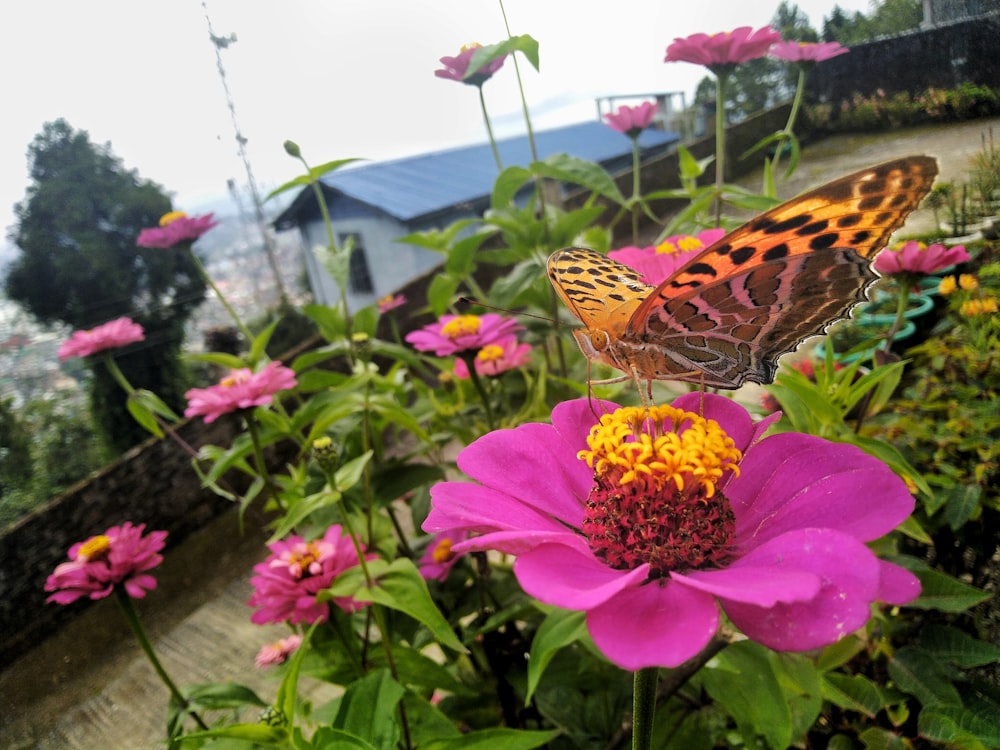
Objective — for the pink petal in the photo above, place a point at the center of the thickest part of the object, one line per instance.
(659, 624)
(472, 507)
(572, 578)
(761, 585)
(897, 585)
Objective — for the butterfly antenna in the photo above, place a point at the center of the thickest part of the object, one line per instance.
(477, 303)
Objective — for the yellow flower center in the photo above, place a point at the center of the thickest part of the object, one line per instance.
(461, 325)
(386, 300)
(683, 245)
(302, 557)
(490, 353)
(360, 337)
(470, 45)
(93, 548)
(235, 377)
(442, 552)
(171, 216)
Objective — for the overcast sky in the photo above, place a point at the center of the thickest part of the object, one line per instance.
(343, 78)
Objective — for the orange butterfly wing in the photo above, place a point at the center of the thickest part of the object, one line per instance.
(725, 317)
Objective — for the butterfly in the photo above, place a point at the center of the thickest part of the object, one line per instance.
(725, 317)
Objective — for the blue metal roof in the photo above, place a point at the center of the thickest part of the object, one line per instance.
(416, 186)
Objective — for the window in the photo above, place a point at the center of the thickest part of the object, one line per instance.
(359, 278)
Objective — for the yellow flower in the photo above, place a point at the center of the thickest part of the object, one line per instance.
(947, 285)
(968, 282)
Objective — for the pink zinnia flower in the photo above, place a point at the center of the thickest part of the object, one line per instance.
(657, 263)
(650, 543)
(723, 50)
(241, 389)
(119, 556)
(456, 68)
(916, 258)
(389, 302)
(458, 333)
(439, 558)
(176, 227)
(110, 335)
(272, 654)
(286, 583)
(503, 354)
(632, 120)
(807, 52)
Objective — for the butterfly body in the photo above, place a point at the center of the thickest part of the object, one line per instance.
(726, 316)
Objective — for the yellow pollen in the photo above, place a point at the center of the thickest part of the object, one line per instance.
(666, 248)
(688, 243)
(236, 377)
(171, 216)
(490, 353)
(442, 552)
(93, 547)
(649, 445)
(470, 45)
(462, 325)
(947, 285)
(386, 300)
(968, 282)
(360, 337)
(322, 443)
(307, 558)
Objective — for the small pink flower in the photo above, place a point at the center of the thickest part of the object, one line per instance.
(438, 560)
(916, 258)
(725, 49)
(632, 120)
(272, 654)
(657, 263)
(458, 333)
(120, 555)
(456, 68)
(241, 389)
(389, 302)
(807, 52)
(286, 583)
(502, 355)
(176, 227)
(111, 335)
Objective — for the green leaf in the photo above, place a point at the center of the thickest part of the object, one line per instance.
(560, 628)
(508, 183)
(940, 591)
(221, 695)
(691, 168)
(368, 709)
(261, 734)
(877, 738)
(958, 727)
(329, 738)
(217, 358)
(285, 699)
(143, 415)
(578, 171)
(321, 169)
(350, 473)
(952, 645)
(853, 693)
(441, 292)
(402, 588)
(488, 53)
(493, 739)
(307, 179)
(920, 674)
(301, 510)
(961, 504)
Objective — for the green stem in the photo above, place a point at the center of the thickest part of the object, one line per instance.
(720, 141)
(140, 635)
(643, 707)
(489, 129)
(901, 303)
(258, 456)
(469, 357)
(635, 189)
(792, 116)
(221, 297)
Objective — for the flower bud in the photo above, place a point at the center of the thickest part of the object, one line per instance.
(292, 149)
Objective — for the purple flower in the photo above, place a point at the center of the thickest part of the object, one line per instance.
(632, 120)
(110, 335)
(657, 263)
(460, 333)
(807, 52)
(119, 556)
(917, 258)
(278, 652)
(456, 68)
(671, 515)
(176, 227)
(723, 50)
(390, 302)
(439, 557)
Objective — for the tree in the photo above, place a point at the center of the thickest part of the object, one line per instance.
(886, 18)
(15, 450)
(79, 264)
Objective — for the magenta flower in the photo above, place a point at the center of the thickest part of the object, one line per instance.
(503, 354)
(459, 333)
(917, 258)
(176, 227)
(286, 583)
(119, 556)
(241, 389)
(632, 120)
(657, 263)
(671, 515)
(272, 654)
(456, 68)
(390, 302)
(807, 52)
(110, 335)
(439, 557)
(723, 50)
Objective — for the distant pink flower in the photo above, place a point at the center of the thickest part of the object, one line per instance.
(119, 556)
(287, 582)
(458, 333)
(916, 258)
(657, 263)
(709, 514)
(389, 302)
(438, 559)
(241, 389)
(272, 654)
(110, 335)
(176, 227)
(455, 68)
(807, 52)
(631, 120)
(502, 355)
(723, 50)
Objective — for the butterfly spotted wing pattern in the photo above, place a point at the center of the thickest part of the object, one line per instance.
(726, 316)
